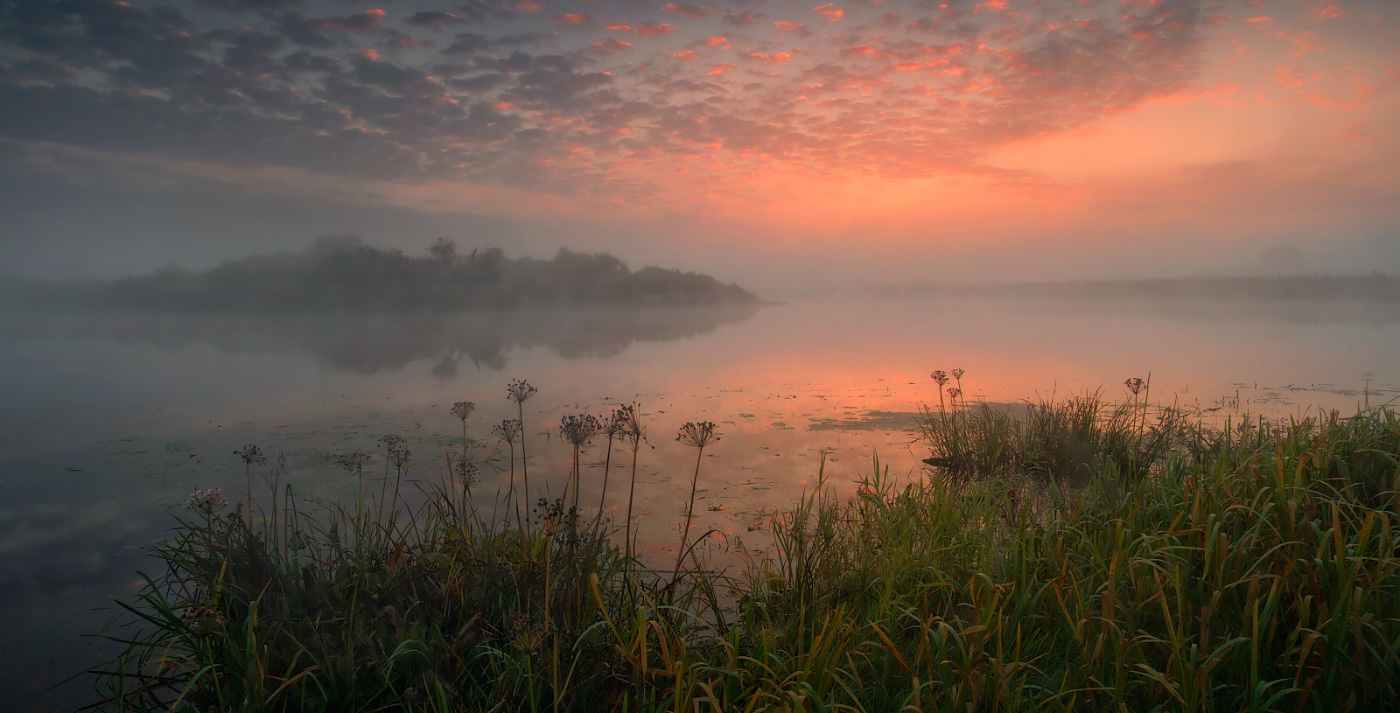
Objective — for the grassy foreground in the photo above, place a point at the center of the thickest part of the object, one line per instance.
(1254, 569)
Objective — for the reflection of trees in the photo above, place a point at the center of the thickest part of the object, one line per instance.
(369, 343)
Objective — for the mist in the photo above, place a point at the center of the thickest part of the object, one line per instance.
(403, 344)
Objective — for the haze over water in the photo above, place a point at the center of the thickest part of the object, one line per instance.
(868, 163)
(110, 421)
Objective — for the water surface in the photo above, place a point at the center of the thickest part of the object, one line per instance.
(110, 420)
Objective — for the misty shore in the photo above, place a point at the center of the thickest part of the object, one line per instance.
(343, 274)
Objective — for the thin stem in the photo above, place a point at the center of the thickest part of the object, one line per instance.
(524, 460)
(689, 515)
(631, 491)
(511, 496)
(607, 468)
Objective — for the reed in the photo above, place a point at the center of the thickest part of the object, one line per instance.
(1250, 568)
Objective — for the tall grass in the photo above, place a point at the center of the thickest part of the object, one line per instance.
(1069, 438)
(1250, 569)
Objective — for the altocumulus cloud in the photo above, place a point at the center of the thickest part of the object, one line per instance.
(547, 97)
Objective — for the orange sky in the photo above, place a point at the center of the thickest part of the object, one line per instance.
(675, 131)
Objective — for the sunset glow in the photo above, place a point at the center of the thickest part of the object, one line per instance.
(1026, 122)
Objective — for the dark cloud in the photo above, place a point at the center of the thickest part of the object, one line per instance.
(284, 87)
(687, 10)
(317, 31)
(43, 70)
(742, 19)
(434, 19)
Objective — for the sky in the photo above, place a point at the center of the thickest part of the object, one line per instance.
(777, 143)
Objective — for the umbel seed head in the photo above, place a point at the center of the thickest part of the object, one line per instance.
(251, 455)
(207, 501)
(463, 409)
(520, 391)
(508, 430)
(579, 429)
(467, 471)
(697, 435)
(395, 449)
(940, 376)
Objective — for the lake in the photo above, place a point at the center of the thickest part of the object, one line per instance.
(110, 421)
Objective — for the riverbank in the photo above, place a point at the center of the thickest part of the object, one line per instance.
(1253, 568)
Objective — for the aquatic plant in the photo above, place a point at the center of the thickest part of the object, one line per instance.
(250, 455)
(612, 428)
(397, 454)
(941, 377)
(508, 430)
(629, 426)
(520, 391)
(1052, 437)
(578, 429)
(697, 435)
(207, 502)
(462, 410)
(1254, 569)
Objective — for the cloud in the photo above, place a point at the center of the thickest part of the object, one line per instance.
(694, 12)
(573, 20)
(591, 109)
(743, 19)
(434, 19)
(785, 27)
(655, 30)
(830, 12)
(609, 45)
(313, 31)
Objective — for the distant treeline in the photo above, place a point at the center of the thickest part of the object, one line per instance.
(1375, 287)
(344, 274)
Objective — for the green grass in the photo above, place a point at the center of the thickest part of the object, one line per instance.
(1250, 569)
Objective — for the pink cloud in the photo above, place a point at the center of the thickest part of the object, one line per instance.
(610, 45)
(830, 12)
(654, 30)
(572, 18)
(1326, 10)
(778, 58)
(691, 11)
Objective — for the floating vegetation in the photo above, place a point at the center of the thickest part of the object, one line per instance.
(1253, 567)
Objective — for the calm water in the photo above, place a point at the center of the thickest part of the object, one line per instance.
(106, 423)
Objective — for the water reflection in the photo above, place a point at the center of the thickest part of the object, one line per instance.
(106, 419)
(369, 343)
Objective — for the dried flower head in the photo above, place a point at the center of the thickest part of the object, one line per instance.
(629, 424)
(348, 462)
(520, 391)
(463, 409)
(251, 455)
(467, 472)
(697, 435)
(395, 449)
(579, 429)
(1135, 385)
(208, 501)
(202, 619)
(954, 392)
(940, 376)
(612, 427)
(958, 374)
(508, 430)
